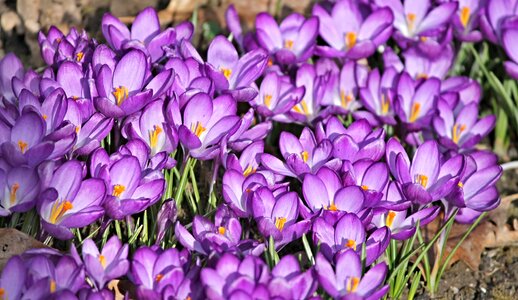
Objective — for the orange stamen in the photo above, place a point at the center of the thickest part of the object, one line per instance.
(118, 189)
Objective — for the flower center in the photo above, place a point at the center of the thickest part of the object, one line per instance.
(332, 207)
(422, 180)
(304, 109)
(23, 146)
(159, 277)
(352, 284)
(279, 222)
(153, 135)
(197, 129)
(304, 155)
(79, 56)
(267, 100)
(12, 194)
(350, 40)
(351, 244)
(226, 72)
(288, 44)
(460, 184)
(249, 170)
(421, 76)
(221, 230)
(390, 218)
(385, 104)
(456, 132)
(414, 114)
(118, 189)
(346, 98)
(120, 94)
(102, 260)
(365, 188)
(464, 16)
(52, 286)
(58, 210)
(410, 18)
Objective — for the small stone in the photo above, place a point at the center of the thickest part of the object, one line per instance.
(455, 290)
(9, 21)
(483, 290)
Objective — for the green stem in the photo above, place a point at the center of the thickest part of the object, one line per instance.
(178, 196)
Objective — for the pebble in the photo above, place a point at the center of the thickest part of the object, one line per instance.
(9, 21)
(455, 290)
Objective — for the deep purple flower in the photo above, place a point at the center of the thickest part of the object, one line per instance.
(509, 36)
(68, 201)
(290, 42)
(347, 278)
(461, 130)
(110, 263)
(289, 282)
(231, 73)
(18, 190)
(419, 65)
(12, 282)
(10, 68)
(378, 98)
(277, 216)
(371, 176)
(57, 47)
(247, 132)
(427, 178)
(235, 279)
(497, 13)
(467, 20)
(350, 31)
(145, 33)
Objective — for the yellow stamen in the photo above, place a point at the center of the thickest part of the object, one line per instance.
(304, 106)
(460, 184)
(421, 76)
(288, 44)
(197, 129)
(410, 21)
(352, 284)
(120, 94)
(365, 188)
(351, 244)
(221, 230)
(249, 170)
(226, 72)
(118, 189)
(270, 62)
(416, 108)
(153, 135)
(305, 156)
(75, 98)
(423, 39)
(77, 129)
(385, 104)
(23, 146)
(350, 40)
(332, 207)
(422, 180)
(390, 218)
(267, 100)
(79, 56)
(279, 222)
(58, 210)
(346, 98)
(44, 117)
(52, 286)
(464, 16)
(102, 260)
(159, 277)
(12, 194)
(2, 294)
(456, 132)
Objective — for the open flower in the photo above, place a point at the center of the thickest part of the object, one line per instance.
(289, 282)
(350, 32)
(18, 190)
(290, 42)
(467, 20)
(378, 98)
(69, 201)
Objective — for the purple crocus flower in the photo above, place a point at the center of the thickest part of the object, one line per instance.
(277, 216)
(416, 101)
(18, 190)
(378, 98)
(120, 90)
(91, 133)
(309, 108)
(110, 263)
(12, 282)
(420, 66)
(350, 32)
(153, 271)
(57, 47)
(247, 132)
(371, 176)
(324, 190)
(231, 73)
(290, 42)
(10, 67)
(418, 21)
(301, 155)
(204, 123)
(289, 282)
(461, 130)
(68, 201)
(235, 279)
(467, 20)
(476, 189)
(129, 189)
(463, 90)
(347, 279)
(276, 97)
(497, 13)
(145, 33)
(347, 233)
(509, 35)
(426, 179)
